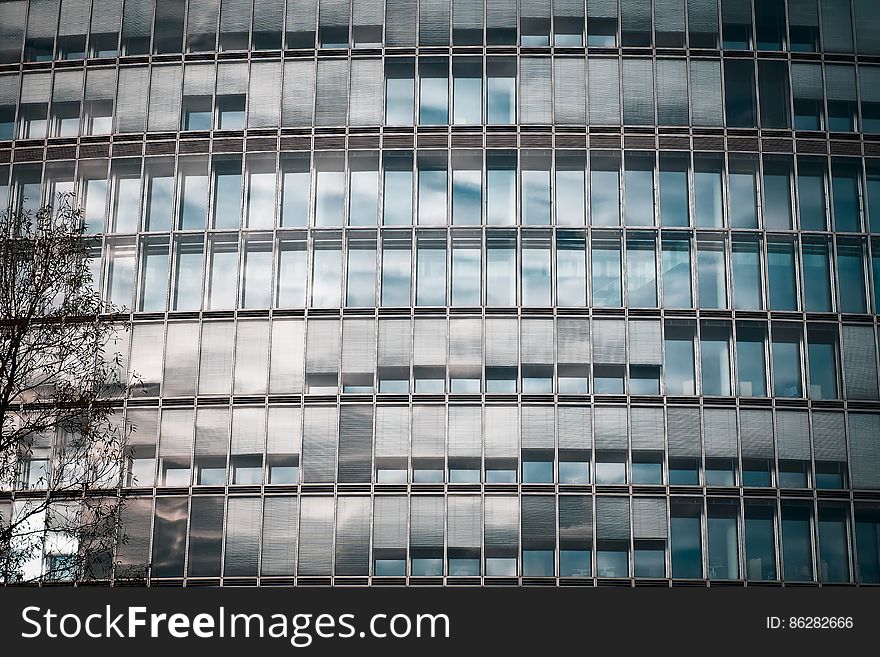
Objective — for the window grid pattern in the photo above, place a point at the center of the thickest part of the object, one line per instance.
(590, 297)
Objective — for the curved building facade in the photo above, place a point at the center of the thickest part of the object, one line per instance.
(465, 292)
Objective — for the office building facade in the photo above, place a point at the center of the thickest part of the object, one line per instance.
(465, 292)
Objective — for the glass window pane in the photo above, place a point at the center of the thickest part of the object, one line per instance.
(432, 192)
(822, 355)
(501, 92)
(639, 181)
(154, 277)
(746, 274)
(571, 270)
(674, 191)
(604, 191)
(750, 363)
(677, 273)
(188, 276)
(395, 272)
(501, 190)
(431, 273)
(501, 272)
(723, 543)
(797, 552)
(685, 546)
(292, 274)
(743, 194)
(361, 287)
(817, 276)
(715, 359)
(679, 360)
(774, 94)
(536, 274)
(261, 198)
(536, 196)
(399, 93)
(326, 275)
(777, 195)
(845, 190)
(121, 275)
(363, 193)
(760, 543)
(875, 258)
(397, 194)
(711, 274)
(467, 92)
(223, 279)
(159, 191)
(466, 274)
(872, 194)
(95, 203)
(606, 272)
(851, 275)
(295, 192)
(868, 544)
(781, 273)
(641, 276)
(126, 200)
(811, 194)
(786, 349)
(833, 544)
(227, 195)
(467, 200)
(570, 191)
(707, 192)
(739, 93)
(433, 92)
(329, 194)
(257, 284)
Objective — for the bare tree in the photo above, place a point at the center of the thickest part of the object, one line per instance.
(62, 449)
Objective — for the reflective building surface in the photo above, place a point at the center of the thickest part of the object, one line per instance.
(465, 292)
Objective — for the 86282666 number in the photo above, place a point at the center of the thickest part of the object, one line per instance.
(820, 622)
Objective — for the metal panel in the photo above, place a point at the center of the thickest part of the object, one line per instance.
(355, 443)
(575, 427)
(319, 444)
(501, 528)
(534, 97)
(604, 83)
(502, 431)
(609, 341)
(646, 428)
(264, 97)
(390, 521)
(793, 435)
(367, 92)
(864, 450)
(538, 427)
(463, 518)
(611, 428)
(756, 433)
(427, 521)
(683, 430)
(649, 517)
(859, 362)
(352, 536)
(829, 436)
(428, 431)
(612, 519)
(316, 536)
(465, 431)
(719, 430)
(280, 515)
